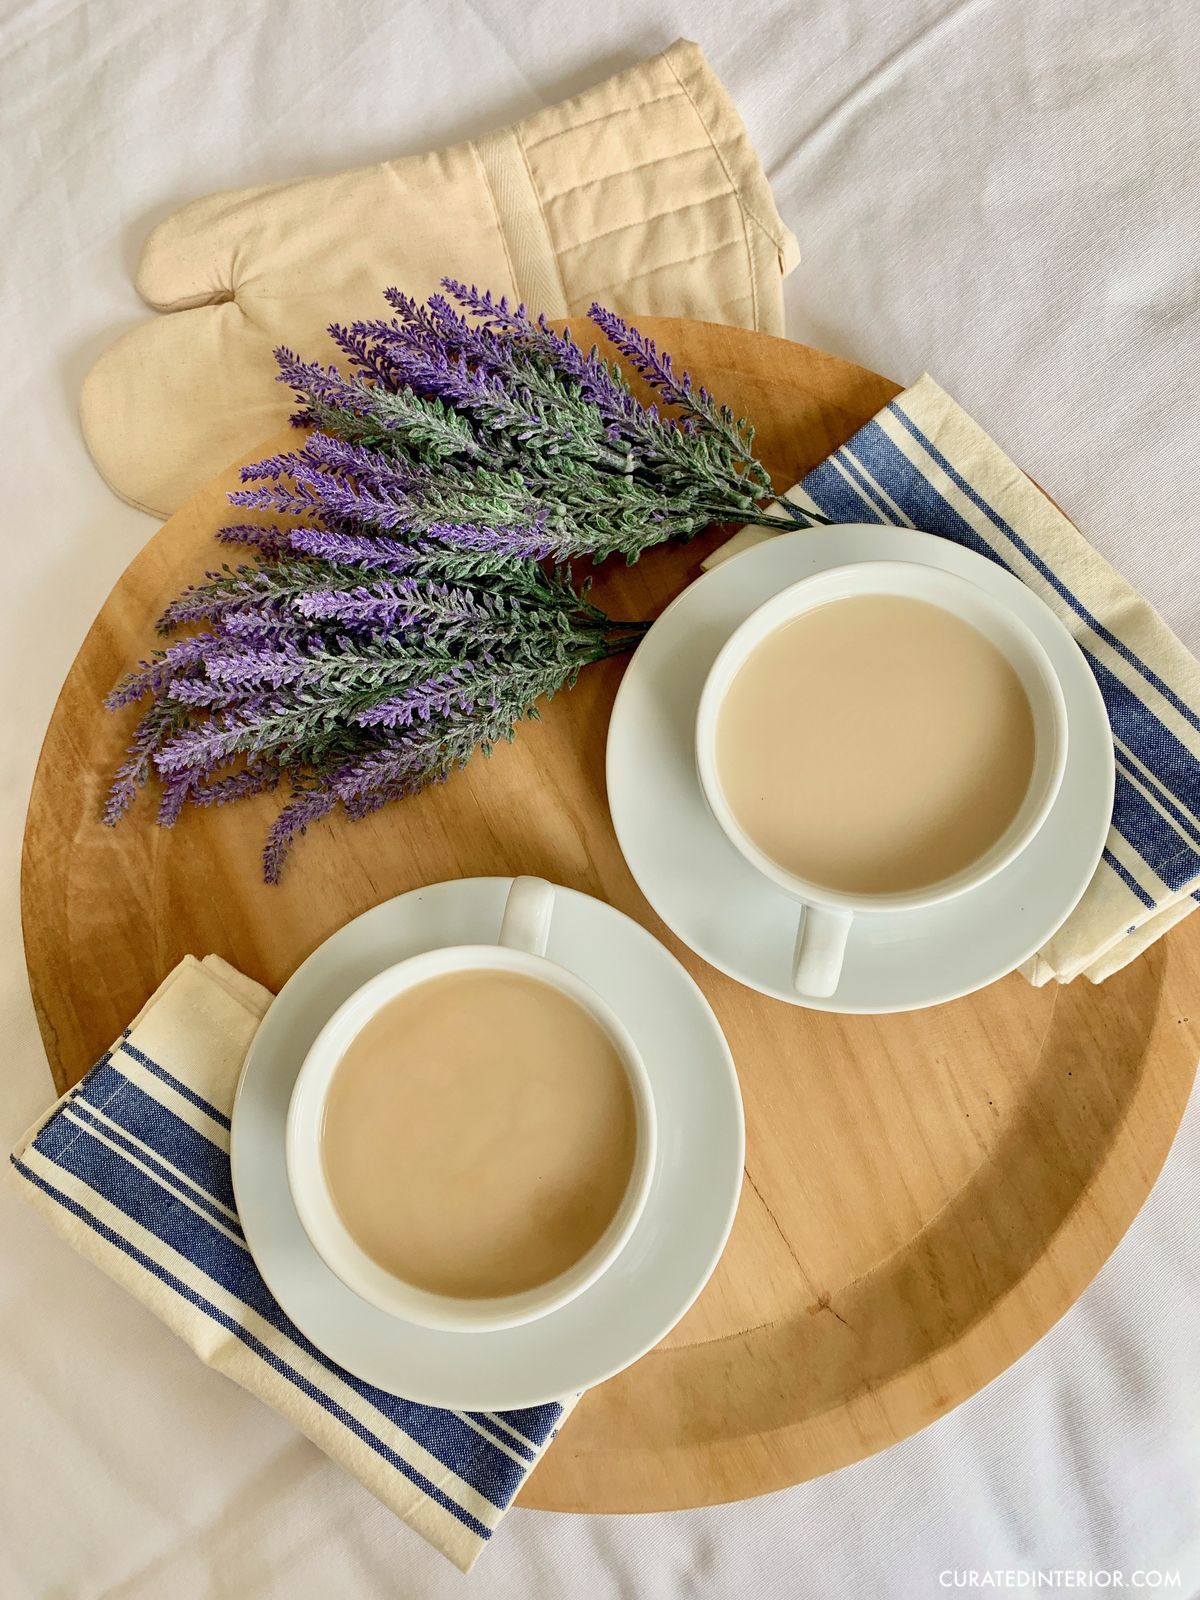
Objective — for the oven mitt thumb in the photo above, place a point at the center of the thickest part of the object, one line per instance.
(644, 193)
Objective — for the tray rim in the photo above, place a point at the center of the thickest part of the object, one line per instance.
(698, 1472)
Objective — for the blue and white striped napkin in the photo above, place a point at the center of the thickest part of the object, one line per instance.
(132, 1167)
(923, 463)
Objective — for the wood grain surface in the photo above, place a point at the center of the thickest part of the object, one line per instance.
(925, 1194)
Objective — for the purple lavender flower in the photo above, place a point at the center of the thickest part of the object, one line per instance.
(534, 541)
(292, 822)
(235, 786)
(292, 501)
(598, 385)
(400, 767)
(248, 591)
(318, 386)
(704, 415)
(644, 355)
(362, 462)
(267, 539)
(395, 606)
(356, 344)
(177, 790)
(266, 624)
(241, 664)
(363, 550)
(201, 693)
(389, 607)
(660, 442)
(159, 675)
(259, 721)
(154, 728)
(421, 702)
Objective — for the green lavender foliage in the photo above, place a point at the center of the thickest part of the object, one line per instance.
(413, 600)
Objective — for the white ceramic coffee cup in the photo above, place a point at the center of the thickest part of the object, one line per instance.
(524, 931)
(826, 914)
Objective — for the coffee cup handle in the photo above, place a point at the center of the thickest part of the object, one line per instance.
(820, 950)
(527, 913)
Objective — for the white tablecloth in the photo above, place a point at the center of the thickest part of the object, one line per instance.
(1002, 191)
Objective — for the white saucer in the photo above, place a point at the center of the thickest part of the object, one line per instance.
(679, 1236)
(732, 916)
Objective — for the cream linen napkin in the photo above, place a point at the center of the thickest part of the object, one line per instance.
(643, 192)
(923, 463)
(132, 1168)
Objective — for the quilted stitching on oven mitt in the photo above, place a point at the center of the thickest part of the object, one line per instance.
(644, 192)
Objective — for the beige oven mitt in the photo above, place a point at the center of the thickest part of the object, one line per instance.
(644, 193)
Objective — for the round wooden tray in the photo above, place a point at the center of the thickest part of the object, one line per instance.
(925, 1194)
